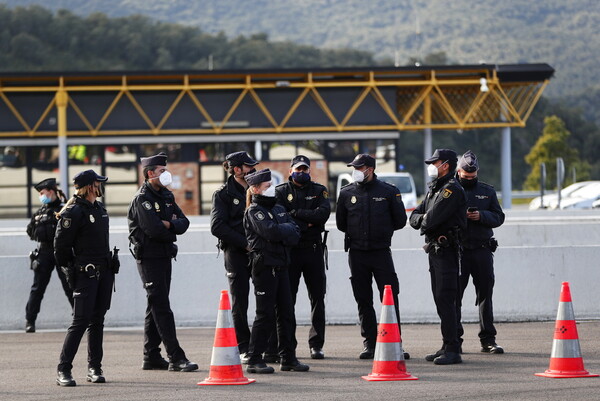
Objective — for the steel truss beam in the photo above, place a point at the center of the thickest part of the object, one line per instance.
(444, 99)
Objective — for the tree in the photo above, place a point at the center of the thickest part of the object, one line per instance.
(549, 146)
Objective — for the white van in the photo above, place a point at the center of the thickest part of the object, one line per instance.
(403, 181)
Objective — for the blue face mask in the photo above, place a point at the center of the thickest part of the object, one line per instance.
(300, 177)
(45, 200)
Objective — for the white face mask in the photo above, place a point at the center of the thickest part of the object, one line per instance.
(432, 171)
(165, 178)
(269, 192)
(358, 176)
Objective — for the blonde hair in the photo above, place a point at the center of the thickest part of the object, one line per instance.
(79, 193)
(249, 194)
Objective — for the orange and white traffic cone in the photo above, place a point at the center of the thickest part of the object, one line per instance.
(388, 363)
(225, 363)
(566, 360)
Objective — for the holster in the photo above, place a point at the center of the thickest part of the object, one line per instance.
(135, 247)
(69, 272)
(33, 259)
(115, 263)
(257, 263)
(346, 243)
(493, 244)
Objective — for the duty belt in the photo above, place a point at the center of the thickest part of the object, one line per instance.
(91, 270)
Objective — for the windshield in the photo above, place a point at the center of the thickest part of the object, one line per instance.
(402, 183)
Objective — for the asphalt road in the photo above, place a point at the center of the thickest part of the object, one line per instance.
(28, 364)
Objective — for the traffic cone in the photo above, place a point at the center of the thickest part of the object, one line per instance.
(565, 360)
(225, 363)
(389, 363)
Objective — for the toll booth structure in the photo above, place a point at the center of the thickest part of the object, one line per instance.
(69, 113)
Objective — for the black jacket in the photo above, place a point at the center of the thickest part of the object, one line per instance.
(483, 196)
(227, 214)
(146, 230)
(270, 231)
(308, 204)
(82, 235)
(443, 211)
(369, 214)
(42, 226)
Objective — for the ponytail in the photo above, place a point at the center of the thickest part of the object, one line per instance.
(249, 196)
(80, 193)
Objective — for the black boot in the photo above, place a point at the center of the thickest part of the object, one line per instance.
(65, 379)
(448, 358)
(94, 375)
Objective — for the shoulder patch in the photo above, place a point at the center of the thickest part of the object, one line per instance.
(147, 205)
(65, 222)
(259, 216)
(447, 193)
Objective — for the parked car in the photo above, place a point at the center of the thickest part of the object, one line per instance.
(583, 198)
(403, 181)
(551, 199)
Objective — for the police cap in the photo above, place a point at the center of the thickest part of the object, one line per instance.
(87, 177)
(156, 160)
(362, 159)
(468, 162)
(48, 183)
(300, 160)
(236, 159)
(258, 177)
(442, 154)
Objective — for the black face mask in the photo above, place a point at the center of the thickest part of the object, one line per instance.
(300, 177)
(467, 183)
(250, 172)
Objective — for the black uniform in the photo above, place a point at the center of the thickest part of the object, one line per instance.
(308, 204)
(42, 228)
(153, 247)
(271, 232)
(226, 224)
(440, 217)
(369, 214)
(477, 259)
(82, 241)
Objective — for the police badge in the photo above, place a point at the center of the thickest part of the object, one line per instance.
(236, 201)
(290, 197)
(92, 219)
(353, 199)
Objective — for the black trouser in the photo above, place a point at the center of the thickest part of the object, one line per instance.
(309, 262)
(443, 268)
(41, 278)
(91, 301)
(238, 275)
(273, 303)
(364, 266)
(479, 263)
(159, 323)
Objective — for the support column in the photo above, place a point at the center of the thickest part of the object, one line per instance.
(63, 156)
(506, 169)
(427, 141)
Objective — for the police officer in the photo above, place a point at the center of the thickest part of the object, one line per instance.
(478, 244)
(308, 204)
(226, 215)
(41, 228)
(155, 220)
(369, 211)
(82, 250)
(270, 232)
(440, 217)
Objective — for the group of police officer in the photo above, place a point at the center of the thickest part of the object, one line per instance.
(271, 236)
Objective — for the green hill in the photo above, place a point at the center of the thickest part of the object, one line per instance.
(563, 34)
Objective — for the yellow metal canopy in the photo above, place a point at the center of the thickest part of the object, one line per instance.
(284, 101)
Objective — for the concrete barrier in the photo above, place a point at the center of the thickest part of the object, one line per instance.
(538, 250)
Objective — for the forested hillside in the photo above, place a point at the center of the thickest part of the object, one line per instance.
(562, 33)
(37, 39)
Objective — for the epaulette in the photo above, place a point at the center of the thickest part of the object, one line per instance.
(485, 184)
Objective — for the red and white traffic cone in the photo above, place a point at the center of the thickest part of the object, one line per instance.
(566, 360)
(388, 363)
(225, 363)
